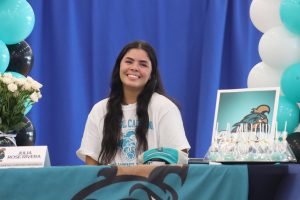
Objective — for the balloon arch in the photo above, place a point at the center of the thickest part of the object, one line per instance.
(16, 57)
(279, 50)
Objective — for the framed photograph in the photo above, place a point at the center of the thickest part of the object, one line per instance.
(250, 109)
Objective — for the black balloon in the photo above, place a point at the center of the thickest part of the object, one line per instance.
(294, 142)
(26, 136)
(21, 58)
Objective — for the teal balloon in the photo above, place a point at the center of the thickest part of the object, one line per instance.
(287, 112)
(16, 20)
(4, 57)
(290, 15)
(28, 107)
(290, 82)
(15, 74)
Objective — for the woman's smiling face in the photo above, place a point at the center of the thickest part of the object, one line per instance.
(135, 70)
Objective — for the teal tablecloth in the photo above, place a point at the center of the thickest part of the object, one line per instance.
(142, 182)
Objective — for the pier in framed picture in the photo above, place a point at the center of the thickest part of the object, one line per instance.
(245, 127)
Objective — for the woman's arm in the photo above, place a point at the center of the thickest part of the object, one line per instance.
(90, 161)
(185, 150)
(92, 136)
(171, 131)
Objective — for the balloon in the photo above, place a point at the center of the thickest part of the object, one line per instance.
(279, 48)
(265, 14)
(4, 57)
(294, 142)
(17, 20)
(290, 82)
(287, 112)
(289, 14)
(26, 136)
(15, 74)
(261, 75)
(27, 107)
(21, 58)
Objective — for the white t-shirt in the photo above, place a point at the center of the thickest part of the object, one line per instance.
(165, 130)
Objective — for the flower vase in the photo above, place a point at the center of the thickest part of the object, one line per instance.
(8, 138)
(26, 135)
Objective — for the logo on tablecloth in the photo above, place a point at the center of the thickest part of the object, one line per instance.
(138, 182)
(2, 153)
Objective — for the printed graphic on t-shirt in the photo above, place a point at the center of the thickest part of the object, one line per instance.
(133, 123)
(128, 146)
(128, 142)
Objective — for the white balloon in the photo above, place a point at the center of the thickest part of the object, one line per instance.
(279, 48)
(261, 75)
(264, 14)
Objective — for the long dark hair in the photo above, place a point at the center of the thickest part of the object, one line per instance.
(113, 118)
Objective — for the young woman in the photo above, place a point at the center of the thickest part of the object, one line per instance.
(136, 116)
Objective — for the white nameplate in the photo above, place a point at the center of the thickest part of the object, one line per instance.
(24, 156)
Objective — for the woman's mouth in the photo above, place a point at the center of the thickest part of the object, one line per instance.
(133, 76)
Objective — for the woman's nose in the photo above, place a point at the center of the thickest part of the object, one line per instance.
(134, 67)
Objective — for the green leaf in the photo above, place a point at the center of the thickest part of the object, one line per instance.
(19, 126)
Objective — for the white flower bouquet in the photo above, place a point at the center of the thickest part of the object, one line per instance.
(16, 94)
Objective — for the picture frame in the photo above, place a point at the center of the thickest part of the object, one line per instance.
(247, 105)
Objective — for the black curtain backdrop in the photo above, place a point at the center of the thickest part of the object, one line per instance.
(202, 46)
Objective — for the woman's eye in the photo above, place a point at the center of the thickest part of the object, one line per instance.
(128, 61)
(144, 65)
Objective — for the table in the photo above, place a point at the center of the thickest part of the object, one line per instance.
(140, 182)
(279, 182)
(195, 181)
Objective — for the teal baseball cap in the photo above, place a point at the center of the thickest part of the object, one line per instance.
(163, 154)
